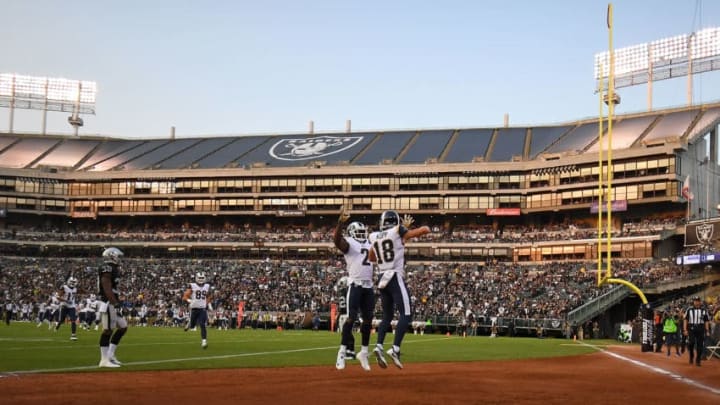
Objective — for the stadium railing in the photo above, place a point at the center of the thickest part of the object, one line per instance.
(598, 305)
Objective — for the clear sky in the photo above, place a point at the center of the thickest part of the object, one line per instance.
(235, 67)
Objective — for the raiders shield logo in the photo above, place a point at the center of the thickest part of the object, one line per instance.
(704, 233)
(312, 148)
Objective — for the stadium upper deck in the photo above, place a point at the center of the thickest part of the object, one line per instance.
(488, 176)
(496, 145)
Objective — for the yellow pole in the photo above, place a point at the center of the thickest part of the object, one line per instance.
(630, 286)
(611, 109)
(601, 89)
(609, 191)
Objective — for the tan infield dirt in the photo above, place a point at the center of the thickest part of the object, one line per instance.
(588, 379)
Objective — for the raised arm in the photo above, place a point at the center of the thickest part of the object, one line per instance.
(338, 239)
(413, 233)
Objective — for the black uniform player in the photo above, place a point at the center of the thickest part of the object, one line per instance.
(114, 325)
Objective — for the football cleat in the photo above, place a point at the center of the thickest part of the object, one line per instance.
(204, 344)
(364, 361)
(73, 337)
(340, 362)
(395, 356)
(380, 356)
(107, 364)
(114, 360)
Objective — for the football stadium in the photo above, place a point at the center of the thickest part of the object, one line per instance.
(513, 290)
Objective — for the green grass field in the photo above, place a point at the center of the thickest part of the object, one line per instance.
(26, 348)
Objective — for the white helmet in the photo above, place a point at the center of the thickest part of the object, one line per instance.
(200, 278)
(357, 231)
(72, 282)
(92, 297)
(112, 255)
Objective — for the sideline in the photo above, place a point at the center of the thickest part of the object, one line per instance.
(655, 369)
(187, 359)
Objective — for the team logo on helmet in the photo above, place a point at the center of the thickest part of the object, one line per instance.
(200, 278)
(357, 231)
(312, 148)
(72, 282)
(112, 255)
(704, 233)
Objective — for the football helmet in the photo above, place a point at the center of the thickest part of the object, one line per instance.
(112, 255)
(200, 278)
(72, 282)
(357, 231)
(389, 219)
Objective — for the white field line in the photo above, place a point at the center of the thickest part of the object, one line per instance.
(656, 369)
(187, 359)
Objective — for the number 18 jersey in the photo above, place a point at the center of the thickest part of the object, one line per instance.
(389, 249)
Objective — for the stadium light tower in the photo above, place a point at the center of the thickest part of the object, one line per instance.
(667, 58)
(47, 94)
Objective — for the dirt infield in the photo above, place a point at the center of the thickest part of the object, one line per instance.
(588, 379)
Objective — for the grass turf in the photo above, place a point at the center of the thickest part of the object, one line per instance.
(26, 348)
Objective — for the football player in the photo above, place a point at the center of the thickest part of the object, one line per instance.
(67, 296)
(198, 296)
(114, 325)
(388, 251)
(360, 296)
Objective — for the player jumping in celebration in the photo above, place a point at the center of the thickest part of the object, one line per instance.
(198, 296)
(114, 325)
(388, 251)
(67, 296)
(360, 297)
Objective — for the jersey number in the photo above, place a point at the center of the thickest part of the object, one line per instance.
(200, 294)
(365, 252)
(385, 251)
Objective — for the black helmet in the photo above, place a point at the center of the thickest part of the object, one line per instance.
(389, 219)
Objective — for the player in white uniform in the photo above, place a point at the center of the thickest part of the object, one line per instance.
(67, 296)
(198, 296)
(360, 297)
(52, 310)
(40, 313)
(388, 251)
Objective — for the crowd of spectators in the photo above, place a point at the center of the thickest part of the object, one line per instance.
(248, 233)
(528, 291)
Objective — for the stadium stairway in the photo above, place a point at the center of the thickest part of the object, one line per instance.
(598, 305)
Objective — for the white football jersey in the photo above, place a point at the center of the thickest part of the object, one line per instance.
(358, 264)
(69, 296)
(54, 303)
(199, 295)
(389, 249)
